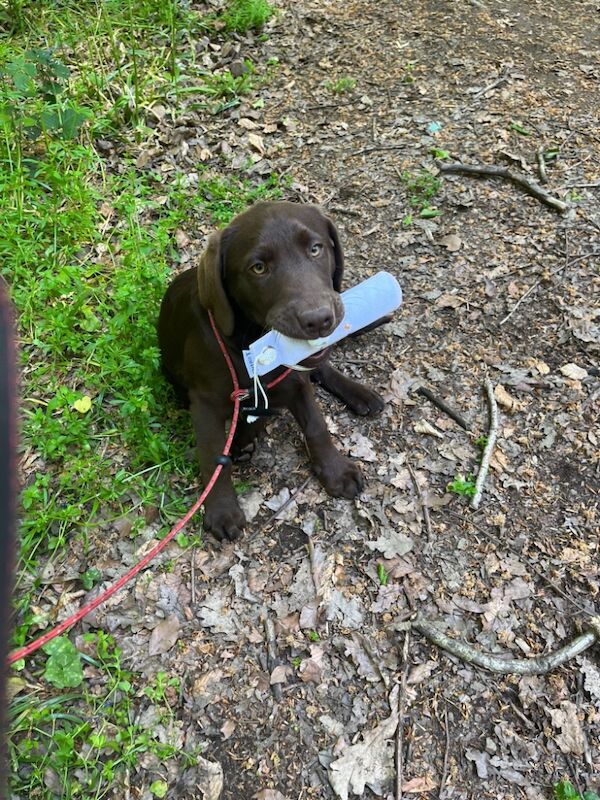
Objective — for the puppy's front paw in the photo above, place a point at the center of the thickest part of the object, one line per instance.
(224, 519)
(364, 401)
(341, 477)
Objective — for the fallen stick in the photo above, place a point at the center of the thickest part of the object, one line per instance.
(443, 406)
(401, 712)
(541, 162)
(424, 507)
(538, 665)
(489, 445)
(492, 171)
(272, 659)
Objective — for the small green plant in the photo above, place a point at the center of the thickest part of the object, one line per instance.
(462, 486)
(382, 575)
(518, 128)
(314, 636)
(242, 15)
(421, 188)
(63, 668)
(296, 661)
(564, 790)
(84, 743)
(440, 154)
(407, 71)
(341, 85)
(33, 99)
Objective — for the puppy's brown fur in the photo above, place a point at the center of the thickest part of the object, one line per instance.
(278, 265)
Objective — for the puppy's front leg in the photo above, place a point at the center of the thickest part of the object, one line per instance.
(223, 516)
(355, 395)
(338, 474)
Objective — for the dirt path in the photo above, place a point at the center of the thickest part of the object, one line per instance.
(488, 82)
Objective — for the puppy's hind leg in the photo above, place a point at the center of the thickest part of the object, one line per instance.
(359, 399)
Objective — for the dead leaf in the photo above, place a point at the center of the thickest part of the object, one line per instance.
(421, 672)
(227, 729)
(428, 430)
(311, 668)
(256, 142)
(504, 399)
(210, 779)
(538, 365)
(591, 682)
(392, 542)
(269, 794)
(417, 785)
(574, 372)
(367, 763)
(216, 613)
(250, 503)
(348, 612)
(361, 447)
(362, 660)
(450, 301)
(571, 739)
(165, 635)
(279, 674)
(451, 242)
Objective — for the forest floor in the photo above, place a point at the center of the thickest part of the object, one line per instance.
(364, 102)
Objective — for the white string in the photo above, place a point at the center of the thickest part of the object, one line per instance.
(257, 385)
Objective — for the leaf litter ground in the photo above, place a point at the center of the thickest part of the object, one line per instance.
(311, 709)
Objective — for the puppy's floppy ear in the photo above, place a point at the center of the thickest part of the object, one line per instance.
(339, 256)
(210, 284)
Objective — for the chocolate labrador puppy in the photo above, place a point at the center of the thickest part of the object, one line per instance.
(278, 265)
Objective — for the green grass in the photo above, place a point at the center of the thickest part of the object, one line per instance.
(80, 744)
(341, 85)
(87, 246)
(243, 15)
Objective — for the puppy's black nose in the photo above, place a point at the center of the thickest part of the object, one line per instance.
(316, 323)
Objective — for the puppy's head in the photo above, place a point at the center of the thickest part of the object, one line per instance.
(281, 266)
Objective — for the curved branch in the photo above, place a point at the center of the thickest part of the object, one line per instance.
(538, 665)
(493, 171)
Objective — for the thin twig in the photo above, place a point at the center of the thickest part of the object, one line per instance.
(568, 263)
(375, 148)
(446, 754)
(500, 80)
(443, 406)
(538, 665)
(541, 162)
(580, 186)
(493, 171)
(489, 445)
(283, 506)
(401, 712)
(343, 210)
(272, 654)
(313, 566)
(424, 506)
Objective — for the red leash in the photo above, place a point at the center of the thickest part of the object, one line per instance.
(237, 396)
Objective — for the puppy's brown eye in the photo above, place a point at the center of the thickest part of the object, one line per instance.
(259, 268)
(316, 249)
